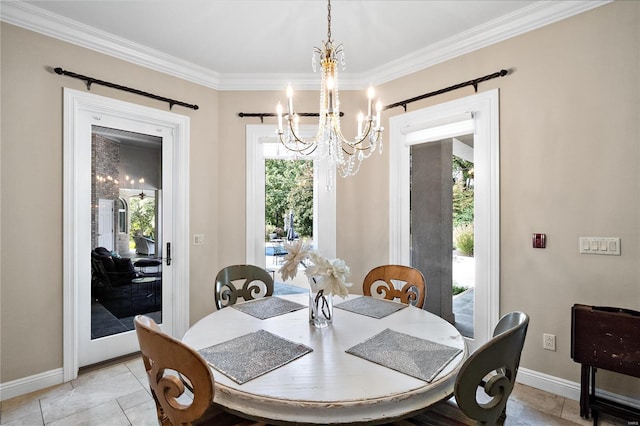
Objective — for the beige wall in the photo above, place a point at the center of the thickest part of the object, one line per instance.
(570, 167)
(31, 228)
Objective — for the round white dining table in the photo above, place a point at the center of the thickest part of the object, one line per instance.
(328, 385)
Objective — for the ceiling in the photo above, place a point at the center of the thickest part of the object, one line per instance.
(262, 44)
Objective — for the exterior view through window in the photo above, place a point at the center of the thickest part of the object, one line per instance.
(288, 207)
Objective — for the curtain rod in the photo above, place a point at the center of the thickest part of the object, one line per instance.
(473, 83)
(90, 80)
(403, 104)
(262, 115)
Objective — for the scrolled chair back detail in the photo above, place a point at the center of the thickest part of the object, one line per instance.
(379, 281)
(162, 355)
(498, 360)
(257, 283)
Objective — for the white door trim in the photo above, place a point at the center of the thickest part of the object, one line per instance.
(404, 129)
(324, 201)
(76, 205)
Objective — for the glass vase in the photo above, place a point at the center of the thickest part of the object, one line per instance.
(320, 308)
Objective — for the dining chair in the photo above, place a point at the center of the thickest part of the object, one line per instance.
(170, 364)
(380, 281)
(257, 283)
(493, 368)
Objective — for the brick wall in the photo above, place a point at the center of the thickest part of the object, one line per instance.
(105, 164)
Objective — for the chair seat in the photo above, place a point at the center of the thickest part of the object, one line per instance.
(143, 263)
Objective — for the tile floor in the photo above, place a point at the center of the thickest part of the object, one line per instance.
(118, 394)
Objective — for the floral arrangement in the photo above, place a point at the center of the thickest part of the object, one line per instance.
(325, 276)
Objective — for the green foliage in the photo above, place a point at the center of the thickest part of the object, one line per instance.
(464, 239)
(289, 186)
(143, 216)
(462, 192)
(457, 289)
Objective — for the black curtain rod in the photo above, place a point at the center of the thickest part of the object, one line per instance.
(262, 115)
(404, 103)
(473, 83)
(90, 80)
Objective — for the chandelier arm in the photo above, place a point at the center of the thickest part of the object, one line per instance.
(307, 148)
(357, 144)
(302, 150)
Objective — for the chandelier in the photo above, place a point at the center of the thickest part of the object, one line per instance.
(329, 143)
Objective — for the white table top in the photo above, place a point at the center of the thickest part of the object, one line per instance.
(329, 385)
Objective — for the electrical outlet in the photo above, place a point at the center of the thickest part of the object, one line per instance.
(549, 342)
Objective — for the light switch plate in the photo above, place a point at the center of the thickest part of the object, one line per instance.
(609, 246)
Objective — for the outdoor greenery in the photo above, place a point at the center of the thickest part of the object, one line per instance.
(289, 187)
(463, 205)
(463, 235)
(462, 192)
(143, 217)
(457, 289)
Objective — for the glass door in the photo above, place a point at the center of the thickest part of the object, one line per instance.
(124, 249)
(126, 242)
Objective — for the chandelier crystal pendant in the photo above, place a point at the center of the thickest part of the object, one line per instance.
(329, 143)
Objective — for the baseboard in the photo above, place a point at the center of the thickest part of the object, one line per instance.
(547, 383)
(535, 379)
(566, 388)
(31, 384)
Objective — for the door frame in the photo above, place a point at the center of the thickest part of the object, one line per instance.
(324, 203)
(405, 130)
(76, 204)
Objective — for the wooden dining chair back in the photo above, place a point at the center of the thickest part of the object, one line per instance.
(380, 282)
(255, 283)
(164, 358)
(170, 364)
(492, 367)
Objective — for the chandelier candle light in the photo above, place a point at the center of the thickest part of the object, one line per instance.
(326, 278)
(329, 142)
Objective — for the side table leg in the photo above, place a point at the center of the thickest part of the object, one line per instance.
(584, 391)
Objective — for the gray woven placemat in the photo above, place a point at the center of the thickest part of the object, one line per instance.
(268, 307)
(370, 306)
(252, 355)
(416, 357)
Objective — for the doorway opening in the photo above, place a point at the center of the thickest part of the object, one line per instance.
(409, 133)
(263, 147)
(289, 205)
(441, 229)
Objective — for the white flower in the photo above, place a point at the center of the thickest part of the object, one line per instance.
(328, 275)
(296, 253)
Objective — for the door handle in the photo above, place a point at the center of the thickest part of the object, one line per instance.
(168, 254)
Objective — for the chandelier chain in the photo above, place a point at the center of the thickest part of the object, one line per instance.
(329, 21)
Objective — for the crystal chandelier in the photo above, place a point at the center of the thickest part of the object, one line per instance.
(329, 143)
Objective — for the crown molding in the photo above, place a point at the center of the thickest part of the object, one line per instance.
(302, 81)
(53, 25)
(519, 22)
(527, 19)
